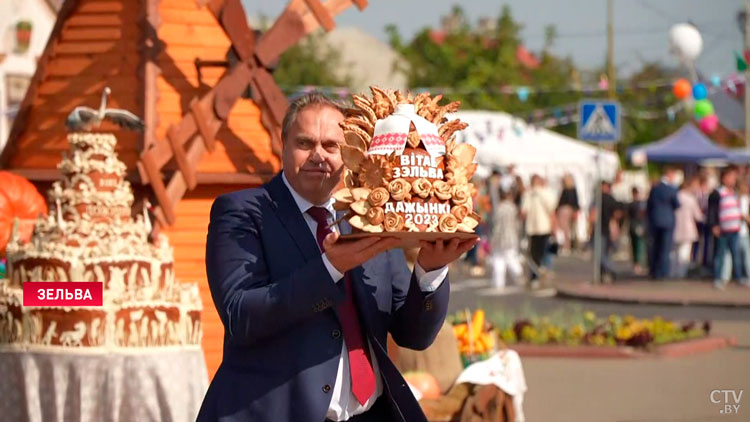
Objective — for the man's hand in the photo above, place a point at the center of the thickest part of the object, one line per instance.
(435, 255)
(716, 230)
(346, 255)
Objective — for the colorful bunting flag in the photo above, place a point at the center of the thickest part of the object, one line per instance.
(741, 62)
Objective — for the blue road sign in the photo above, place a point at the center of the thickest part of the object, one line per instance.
(599, 121)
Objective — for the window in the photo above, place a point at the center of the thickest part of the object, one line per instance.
(15, 90)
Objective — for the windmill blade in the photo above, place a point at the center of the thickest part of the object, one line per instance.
(334, 7)
(230, 88)
(265, 91)
(296, 22)
(208, 113)
(231, 16)
(321, 14)
(187, 127)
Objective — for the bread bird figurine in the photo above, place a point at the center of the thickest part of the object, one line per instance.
(84, 118)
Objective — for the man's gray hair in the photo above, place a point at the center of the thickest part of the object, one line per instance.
(307, 100)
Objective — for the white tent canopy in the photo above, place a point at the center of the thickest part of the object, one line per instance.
(502, 140)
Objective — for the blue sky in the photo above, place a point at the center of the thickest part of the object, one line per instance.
(641, 26)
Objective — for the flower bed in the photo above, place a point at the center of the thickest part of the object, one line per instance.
(579, 330)
(614, 330)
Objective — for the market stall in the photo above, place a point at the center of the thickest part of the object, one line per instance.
(503, 140)
(688, 145)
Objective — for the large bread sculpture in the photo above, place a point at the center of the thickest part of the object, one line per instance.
(90, 235)
(404, 171)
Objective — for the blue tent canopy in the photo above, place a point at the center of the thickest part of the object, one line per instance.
(739, 155)
(687, 145)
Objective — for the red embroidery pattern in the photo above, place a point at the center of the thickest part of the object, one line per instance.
(386, 140)
(431, 139)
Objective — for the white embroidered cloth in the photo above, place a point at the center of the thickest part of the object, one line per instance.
(391, 132)
(130, 386)
(504, 370)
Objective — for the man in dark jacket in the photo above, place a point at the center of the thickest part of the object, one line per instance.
(611, 214)
(306, 316)
(660, 208)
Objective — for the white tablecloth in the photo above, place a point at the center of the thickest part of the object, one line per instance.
(143, 385)
(504, 370)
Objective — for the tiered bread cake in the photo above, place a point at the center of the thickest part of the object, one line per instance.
(89, 235)
(404, 171)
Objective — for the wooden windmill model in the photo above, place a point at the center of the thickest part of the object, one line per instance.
(195, 133)
(166, 61)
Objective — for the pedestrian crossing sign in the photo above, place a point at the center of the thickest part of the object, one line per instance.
(599, 121)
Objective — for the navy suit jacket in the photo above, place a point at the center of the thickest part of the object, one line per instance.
(277, 302)
(661, 205)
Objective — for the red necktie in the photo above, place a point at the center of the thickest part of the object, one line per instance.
(363, 377)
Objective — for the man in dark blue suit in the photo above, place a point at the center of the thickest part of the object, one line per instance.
(660, 209)
(306, 316)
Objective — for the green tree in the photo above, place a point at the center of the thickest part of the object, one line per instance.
(311, 62)
(475, 63)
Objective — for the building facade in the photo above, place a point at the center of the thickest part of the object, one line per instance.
(25, 26)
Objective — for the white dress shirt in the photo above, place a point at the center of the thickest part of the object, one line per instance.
(343, 403)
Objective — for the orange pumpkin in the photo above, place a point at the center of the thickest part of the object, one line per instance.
(423, 382)
(20, 199)
(6, 222)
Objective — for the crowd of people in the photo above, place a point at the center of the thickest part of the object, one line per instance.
(678, 228)
(519, 218)
(692, 227)
(709, 228)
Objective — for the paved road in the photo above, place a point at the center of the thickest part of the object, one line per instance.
(653, 390)
(472, 293)
(624, 390)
